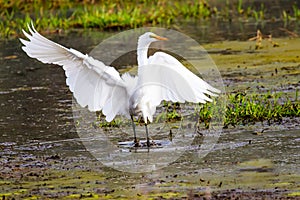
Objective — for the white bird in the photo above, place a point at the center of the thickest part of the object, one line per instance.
(101, 88)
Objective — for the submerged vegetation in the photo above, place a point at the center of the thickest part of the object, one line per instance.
(52, 15)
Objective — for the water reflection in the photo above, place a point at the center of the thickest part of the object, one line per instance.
(215, 30)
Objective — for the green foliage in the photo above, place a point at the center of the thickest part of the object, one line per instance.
(171, 113)
(205, 114)
(296, 12)
(118, 14)
(295, 15)
(241, 109)
(260, 14)
(249, 108)
(89, 14)
(102, 123)
(197, 9)
(250, 12)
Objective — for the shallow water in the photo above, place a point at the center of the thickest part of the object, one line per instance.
(36, 120)
(240, 159)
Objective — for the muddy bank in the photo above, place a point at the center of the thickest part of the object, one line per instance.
(242, 164)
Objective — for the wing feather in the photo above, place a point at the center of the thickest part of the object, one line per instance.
(93, 84)
(165, 78)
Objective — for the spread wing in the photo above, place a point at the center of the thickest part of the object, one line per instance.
(165, 78)
(93, 84)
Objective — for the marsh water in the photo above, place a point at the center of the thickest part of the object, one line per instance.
(37, 125)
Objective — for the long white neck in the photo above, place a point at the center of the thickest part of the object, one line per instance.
(142, 52)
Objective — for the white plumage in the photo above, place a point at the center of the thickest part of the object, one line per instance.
(100, 87)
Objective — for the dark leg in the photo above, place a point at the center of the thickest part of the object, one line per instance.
(133, 127)
(147, 135)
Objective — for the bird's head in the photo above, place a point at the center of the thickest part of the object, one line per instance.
(149, 37)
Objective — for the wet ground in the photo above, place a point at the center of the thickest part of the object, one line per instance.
(42, 155)
(242, 164)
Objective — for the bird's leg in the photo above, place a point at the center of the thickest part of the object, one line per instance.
(147, 135)
(134, 133)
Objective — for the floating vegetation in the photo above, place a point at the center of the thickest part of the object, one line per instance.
(103, 15)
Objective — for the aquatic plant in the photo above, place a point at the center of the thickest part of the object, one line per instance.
(296, 11)
(51, 15)
(260, 14)
(240, 9)
(246, 108)
(170, 112)
(102, 123)
(103, 15)
(197, 9)
(294, 16)
(242, 109)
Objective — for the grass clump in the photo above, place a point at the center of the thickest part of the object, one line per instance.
(295, 15)
(103, 15)
(241, 109)
(102, 123)
(171, 113)
(90, 14)
(246, 108)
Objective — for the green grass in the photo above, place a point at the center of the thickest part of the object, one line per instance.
(104, 15)
(246, 108)
(295, 15)
(241, 109)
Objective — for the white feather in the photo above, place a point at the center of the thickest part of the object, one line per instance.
(92, 83)
(165, 78)
(100, 87)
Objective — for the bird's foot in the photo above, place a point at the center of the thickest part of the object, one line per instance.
(136, 143)
(148, 143)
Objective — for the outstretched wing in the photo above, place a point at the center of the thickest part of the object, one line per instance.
(165, 78)
(93, 84)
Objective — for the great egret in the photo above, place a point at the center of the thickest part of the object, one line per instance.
(100, 87)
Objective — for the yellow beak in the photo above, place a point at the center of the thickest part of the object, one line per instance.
(159, 37)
